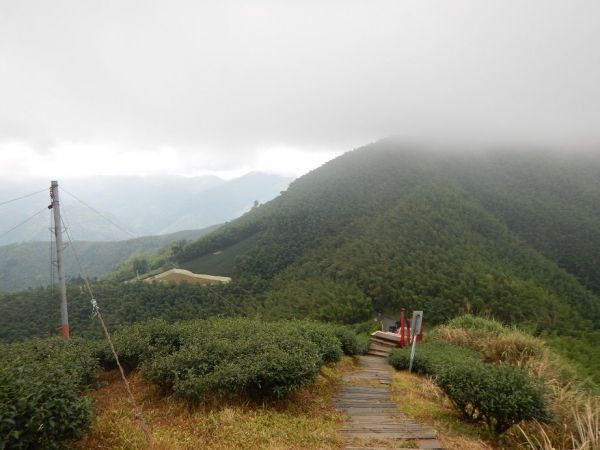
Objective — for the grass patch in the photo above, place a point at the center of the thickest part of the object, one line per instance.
(304, 420)
(422, 400)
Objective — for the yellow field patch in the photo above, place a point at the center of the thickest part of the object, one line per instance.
(305, 420)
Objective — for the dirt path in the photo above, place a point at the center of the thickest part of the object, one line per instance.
(374, 422)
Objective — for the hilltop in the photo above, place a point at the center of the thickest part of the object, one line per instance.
(511, 235)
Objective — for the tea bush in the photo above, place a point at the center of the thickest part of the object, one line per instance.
(352, 344)
(231, 356)
(140, 341)
(499, 396)
(40, 392)
(325, 337)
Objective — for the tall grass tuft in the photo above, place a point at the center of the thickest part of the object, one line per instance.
(587, 421)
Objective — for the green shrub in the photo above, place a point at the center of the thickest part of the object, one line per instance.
(40, 392)
(366, 327)
(500, 396)
(241, 356)
(352, 342)
(363, 343)
(258, 369)
(232, 356)
(324, 336)
(138, 342)
(433, 357)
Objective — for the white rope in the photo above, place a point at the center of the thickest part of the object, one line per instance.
(137, 411)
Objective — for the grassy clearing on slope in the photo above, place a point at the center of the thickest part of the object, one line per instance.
(304, 420)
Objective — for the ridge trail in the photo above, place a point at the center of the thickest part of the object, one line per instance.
(374, 421)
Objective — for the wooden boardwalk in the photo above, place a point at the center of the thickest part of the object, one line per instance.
(374, 421)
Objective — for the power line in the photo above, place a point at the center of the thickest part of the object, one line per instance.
(22, 197)
(22, 223)
(100, 214)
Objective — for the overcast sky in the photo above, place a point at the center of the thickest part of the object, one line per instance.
(193, 87)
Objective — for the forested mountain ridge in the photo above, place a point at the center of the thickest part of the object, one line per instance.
(511, 235)
(383, 227)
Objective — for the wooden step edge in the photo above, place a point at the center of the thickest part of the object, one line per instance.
(378, 354)
(384, 342)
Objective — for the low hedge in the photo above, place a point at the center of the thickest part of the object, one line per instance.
(41, 381)
(232, 356)
(499, 396)
(352, 343)
(141, 341)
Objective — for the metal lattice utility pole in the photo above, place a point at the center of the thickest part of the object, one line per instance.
(55, 206)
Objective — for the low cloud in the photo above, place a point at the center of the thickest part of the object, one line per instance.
(219, 84)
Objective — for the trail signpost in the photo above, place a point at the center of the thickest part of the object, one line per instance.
(416, 322)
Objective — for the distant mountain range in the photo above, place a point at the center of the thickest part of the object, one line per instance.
(126, 207)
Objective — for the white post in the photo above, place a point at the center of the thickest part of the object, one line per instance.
(412, 352)
(415, 329)
(64, 314)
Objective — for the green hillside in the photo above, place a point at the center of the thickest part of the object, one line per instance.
(389, 226)
(27, 265)
(512, 236)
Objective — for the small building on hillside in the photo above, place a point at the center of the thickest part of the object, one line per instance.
(185, 276)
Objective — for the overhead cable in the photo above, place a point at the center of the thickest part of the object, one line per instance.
(23, 196)
(23, 223)
(129, 233)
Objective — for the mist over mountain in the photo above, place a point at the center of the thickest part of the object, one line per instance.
(126, 207)
(509, 233)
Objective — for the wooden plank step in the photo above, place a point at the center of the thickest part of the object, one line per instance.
(381, 348)
(384, 335)
(352, 447)
(371, 414)
(378, 353)
(431, 444)
(387, 428)
(389, 435)
(354, 389)
(374, 363)
(385, 342)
